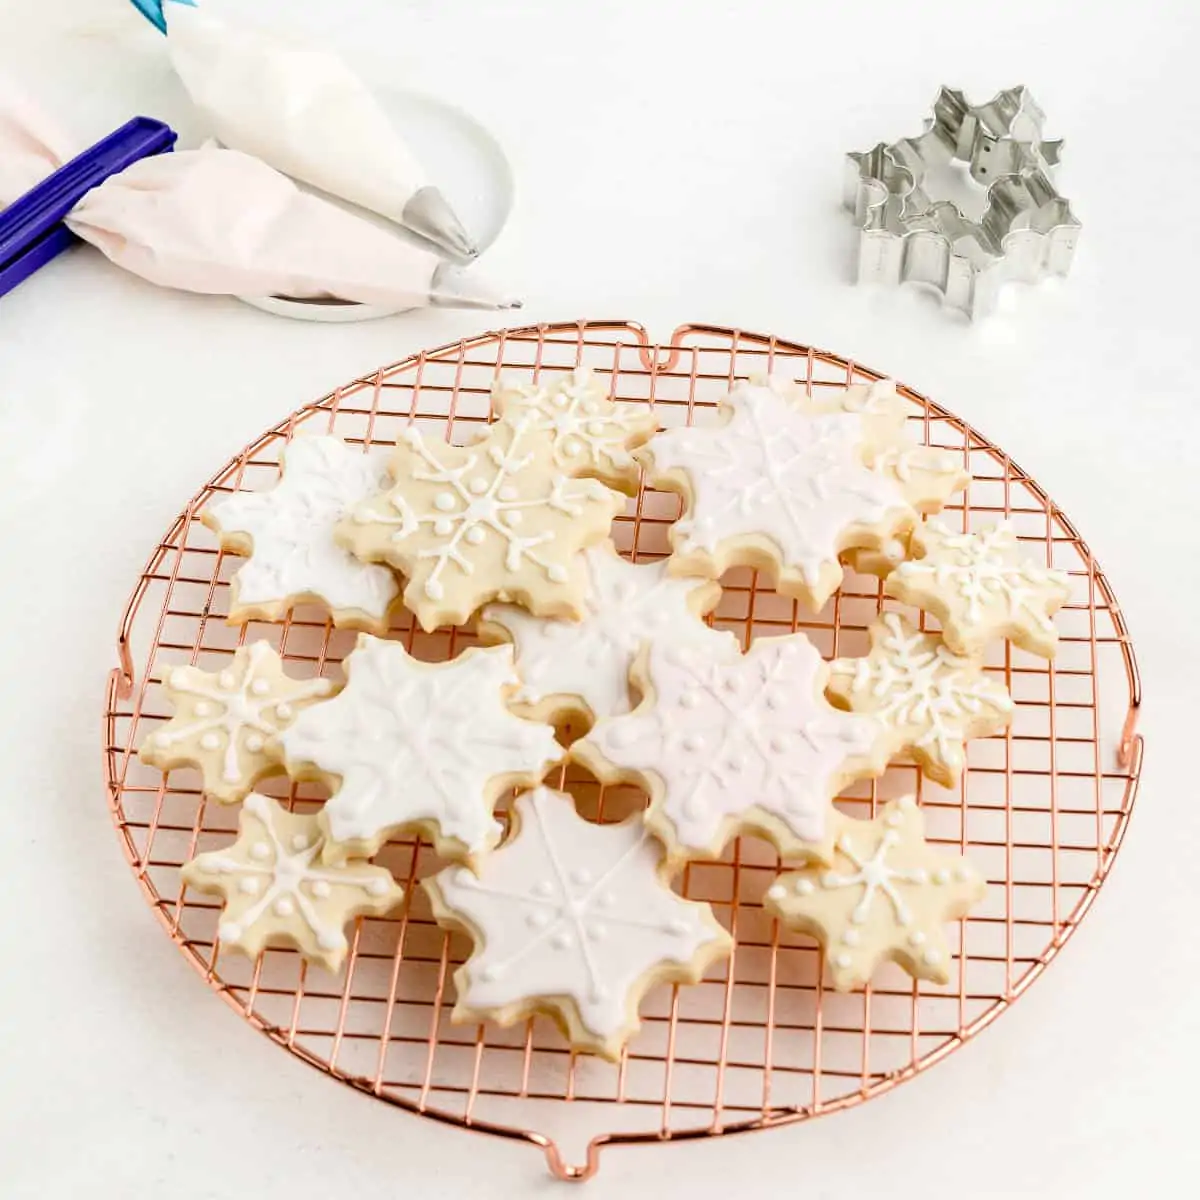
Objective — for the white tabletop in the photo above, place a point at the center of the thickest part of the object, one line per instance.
(675, 162)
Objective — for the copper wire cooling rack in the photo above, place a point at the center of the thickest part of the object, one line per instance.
(761, 1042)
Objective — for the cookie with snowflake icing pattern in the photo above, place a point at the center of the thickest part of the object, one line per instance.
(288, 533)
(575, 920)
(226, 723)
(887, 894)
(569, 667)
(277, 892)
(414, 746)
(593, 435)
(728, 743)
(496, 520)
(930, 700)
(981, 587)
(777, 487)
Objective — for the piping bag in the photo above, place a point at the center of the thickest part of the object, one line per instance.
(301, 109)
(219, 221)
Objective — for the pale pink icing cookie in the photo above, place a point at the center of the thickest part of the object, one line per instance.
(727, 743)
(575, 920)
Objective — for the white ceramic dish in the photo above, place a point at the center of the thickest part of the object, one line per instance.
(461, 157)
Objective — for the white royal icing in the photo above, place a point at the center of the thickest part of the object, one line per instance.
(248, 710)
(571, 908)
(418, 742)
(876, 877)
(292, 527)
(773, 469)
(932, 688)
(727, 732)
(984, 570)
(590, 431)
(485, 498)
(286, 878)
(627, 606)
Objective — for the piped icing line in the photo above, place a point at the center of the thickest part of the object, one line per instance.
(414, 746)
(585, 665)
(727, 743)
(777, 486)
(981, 587)
(573, 919)
(887, 894)
(277, 892)
(593, 435)
(928, 699)
(288, 533)
(226, 722)
(495, 520)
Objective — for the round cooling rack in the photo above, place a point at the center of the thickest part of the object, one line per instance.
(761, 1042)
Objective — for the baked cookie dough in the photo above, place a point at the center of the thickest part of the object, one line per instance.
(277, 892)
(887, 894)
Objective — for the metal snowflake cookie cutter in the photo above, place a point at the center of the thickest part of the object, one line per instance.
(1026, 233)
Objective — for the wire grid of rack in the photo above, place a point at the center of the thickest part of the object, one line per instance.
(761, 1041)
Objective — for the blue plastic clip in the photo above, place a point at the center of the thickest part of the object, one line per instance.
(31, 228)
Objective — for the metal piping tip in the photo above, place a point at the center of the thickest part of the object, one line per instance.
(451, 287)
(429, 214)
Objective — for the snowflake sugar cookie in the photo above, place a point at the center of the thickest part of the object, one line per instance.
(584, 665)
(886, 895)
(575, 920)
(726, 743)
(288, 532)
(226, 722)
(777, 487)
(411, 745)
(493, 521)
(931, 701)
(278, 893)
(593, 435)
(981, 586)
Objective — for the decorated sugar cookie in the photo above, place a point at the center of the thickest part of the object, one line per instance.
(575, 920)
(497, 520)
(583, 666)
(929, 700)
(981, 587)
(226, 723)
(926, 476)
(887, 894)
(277, 892)
(884, 411)
(411, 745)
(726, 743)
(778, 487)
(593, 435)
(288, 532)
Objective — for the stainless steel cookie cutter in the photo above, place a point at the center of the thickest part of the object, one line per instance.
(1026, 233)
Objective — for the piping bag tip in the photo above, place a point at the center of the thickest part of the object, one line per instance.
(429, 214)
(451, 287)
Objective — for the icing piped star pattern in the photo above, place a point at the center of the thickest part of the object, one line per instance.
(496, 520)
(278, 893)
(288, 533)
(568, 665)
(573, 919)
(929, 700)
(226, 723)
(592, 434)
(887, 894)
(411, 745)
(726, 743)
(981, 587)
(778, 488)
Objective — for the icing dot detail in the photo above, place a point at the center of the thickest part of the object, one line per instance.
(319, 888)
(284, 906)
(260, 851)
(209, 741)
(445, 502)
(250, 884)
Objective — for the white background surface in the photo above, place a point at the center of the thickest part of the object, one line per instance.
(674, 162)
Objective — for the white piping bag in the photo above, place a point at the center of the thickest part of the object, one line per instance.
(302, 109)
